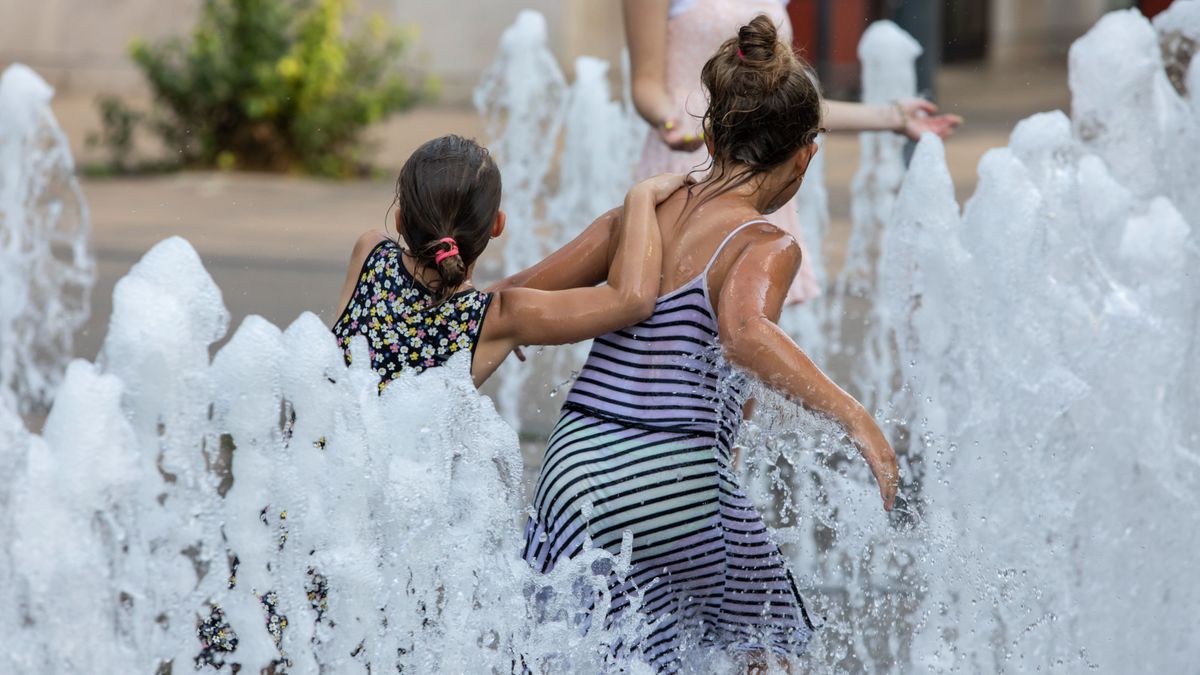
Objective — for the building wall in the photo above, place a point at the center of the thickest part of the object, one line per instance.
(1032, 30)
(81, 46)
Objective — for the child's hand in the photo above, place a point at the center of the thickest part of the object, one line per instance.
(918, 116)
(880, 458)
(661, 186)
(681, 136)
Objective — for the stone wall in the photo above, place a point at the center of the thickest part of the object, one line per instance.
(81, 46)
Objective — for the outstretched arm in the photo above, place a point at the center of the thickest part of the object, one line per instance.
(750, 303)
(908, 116)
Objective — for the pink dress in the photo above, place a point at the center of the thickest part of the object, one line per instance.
(695, 30)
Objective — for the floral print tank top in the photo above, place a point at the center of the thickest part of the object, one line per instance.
(406, 329)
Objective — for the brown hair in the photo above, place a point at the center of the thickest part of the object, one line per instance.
(763, 103)
(448, 188)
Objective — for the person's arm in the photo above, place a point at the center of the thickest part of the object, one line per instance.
(646, 33)
(523, 316)
(584, 261)
(750, 303)
(362, 248)
(908, 116)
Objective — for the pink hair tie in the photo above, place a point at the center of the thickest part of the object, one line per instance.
(741, 56)
(448, 253)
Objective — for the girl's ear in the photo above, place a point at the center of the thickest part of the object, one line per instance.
(804, 155)
(399, 231)
(498, 228)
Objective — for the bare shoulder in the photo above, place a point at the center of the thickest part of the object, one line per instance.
(358, 257)
(363, 246)
(367, 241)
(501, 321)
(765, 239)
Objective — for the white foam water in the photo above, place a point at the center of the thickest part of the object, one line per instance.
(382, 528)
(46, 269)
(1043, 342)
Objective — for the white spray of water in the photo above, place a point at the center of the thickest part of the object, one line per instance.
(888, 55)
(46, 270)
(1046, 340)
(522, 95)
(567, 155)
(600, 146)
(383, 528)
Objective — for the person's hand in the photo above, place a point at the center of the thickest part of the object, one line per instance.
(682, 134)
(880, 458)
(919, 116)
(661, 186)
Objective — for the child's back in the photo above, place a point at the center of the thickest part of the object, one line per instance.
(405, 325)
(415, 302)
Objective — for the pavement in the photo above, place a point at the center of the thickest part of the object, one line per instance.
(278, 245)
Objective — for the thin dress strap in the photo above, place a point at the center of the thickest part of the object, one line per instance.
(727, 239)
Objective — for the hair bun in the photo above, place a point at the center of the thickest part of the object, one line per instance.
(758, 40)
(762, 103)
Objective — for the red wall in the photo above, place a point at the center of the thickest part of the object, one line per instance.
(1152, 7)
(804, 27)
(847, 21)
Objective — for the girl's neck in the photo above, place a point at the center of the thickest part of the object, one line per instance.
(428, 277)
(756, 193)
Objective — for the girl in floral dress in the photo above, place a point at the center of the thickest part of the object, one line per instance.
(413, 299)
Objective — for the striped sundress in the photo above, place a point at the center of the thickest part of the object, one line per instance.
(643, 445)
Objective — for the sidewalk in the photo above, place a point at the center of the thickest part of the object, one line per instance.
(278, 245)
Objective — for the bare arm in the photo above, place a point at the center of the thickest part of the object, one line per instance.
(529, 316)
(909, 116)
(750, 303)
(584, 261)
(362, 248)
(646, 33)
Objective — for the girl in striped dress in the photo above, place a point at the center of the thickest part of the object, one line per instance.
(643, 442)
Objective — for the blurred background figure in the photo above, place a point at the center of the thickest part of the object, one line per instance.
(669, 41)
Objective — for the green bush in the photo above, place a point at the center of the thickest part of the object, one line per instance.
(118, 123)
(274, 85)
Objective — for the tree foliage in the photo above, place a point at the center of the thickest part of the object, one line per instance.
(275, 85)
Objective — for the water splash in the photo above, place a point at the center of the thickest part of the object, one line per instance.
(382, 530)
(46, 270)
(567, 154)
(1046, 343)
(888, 55)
